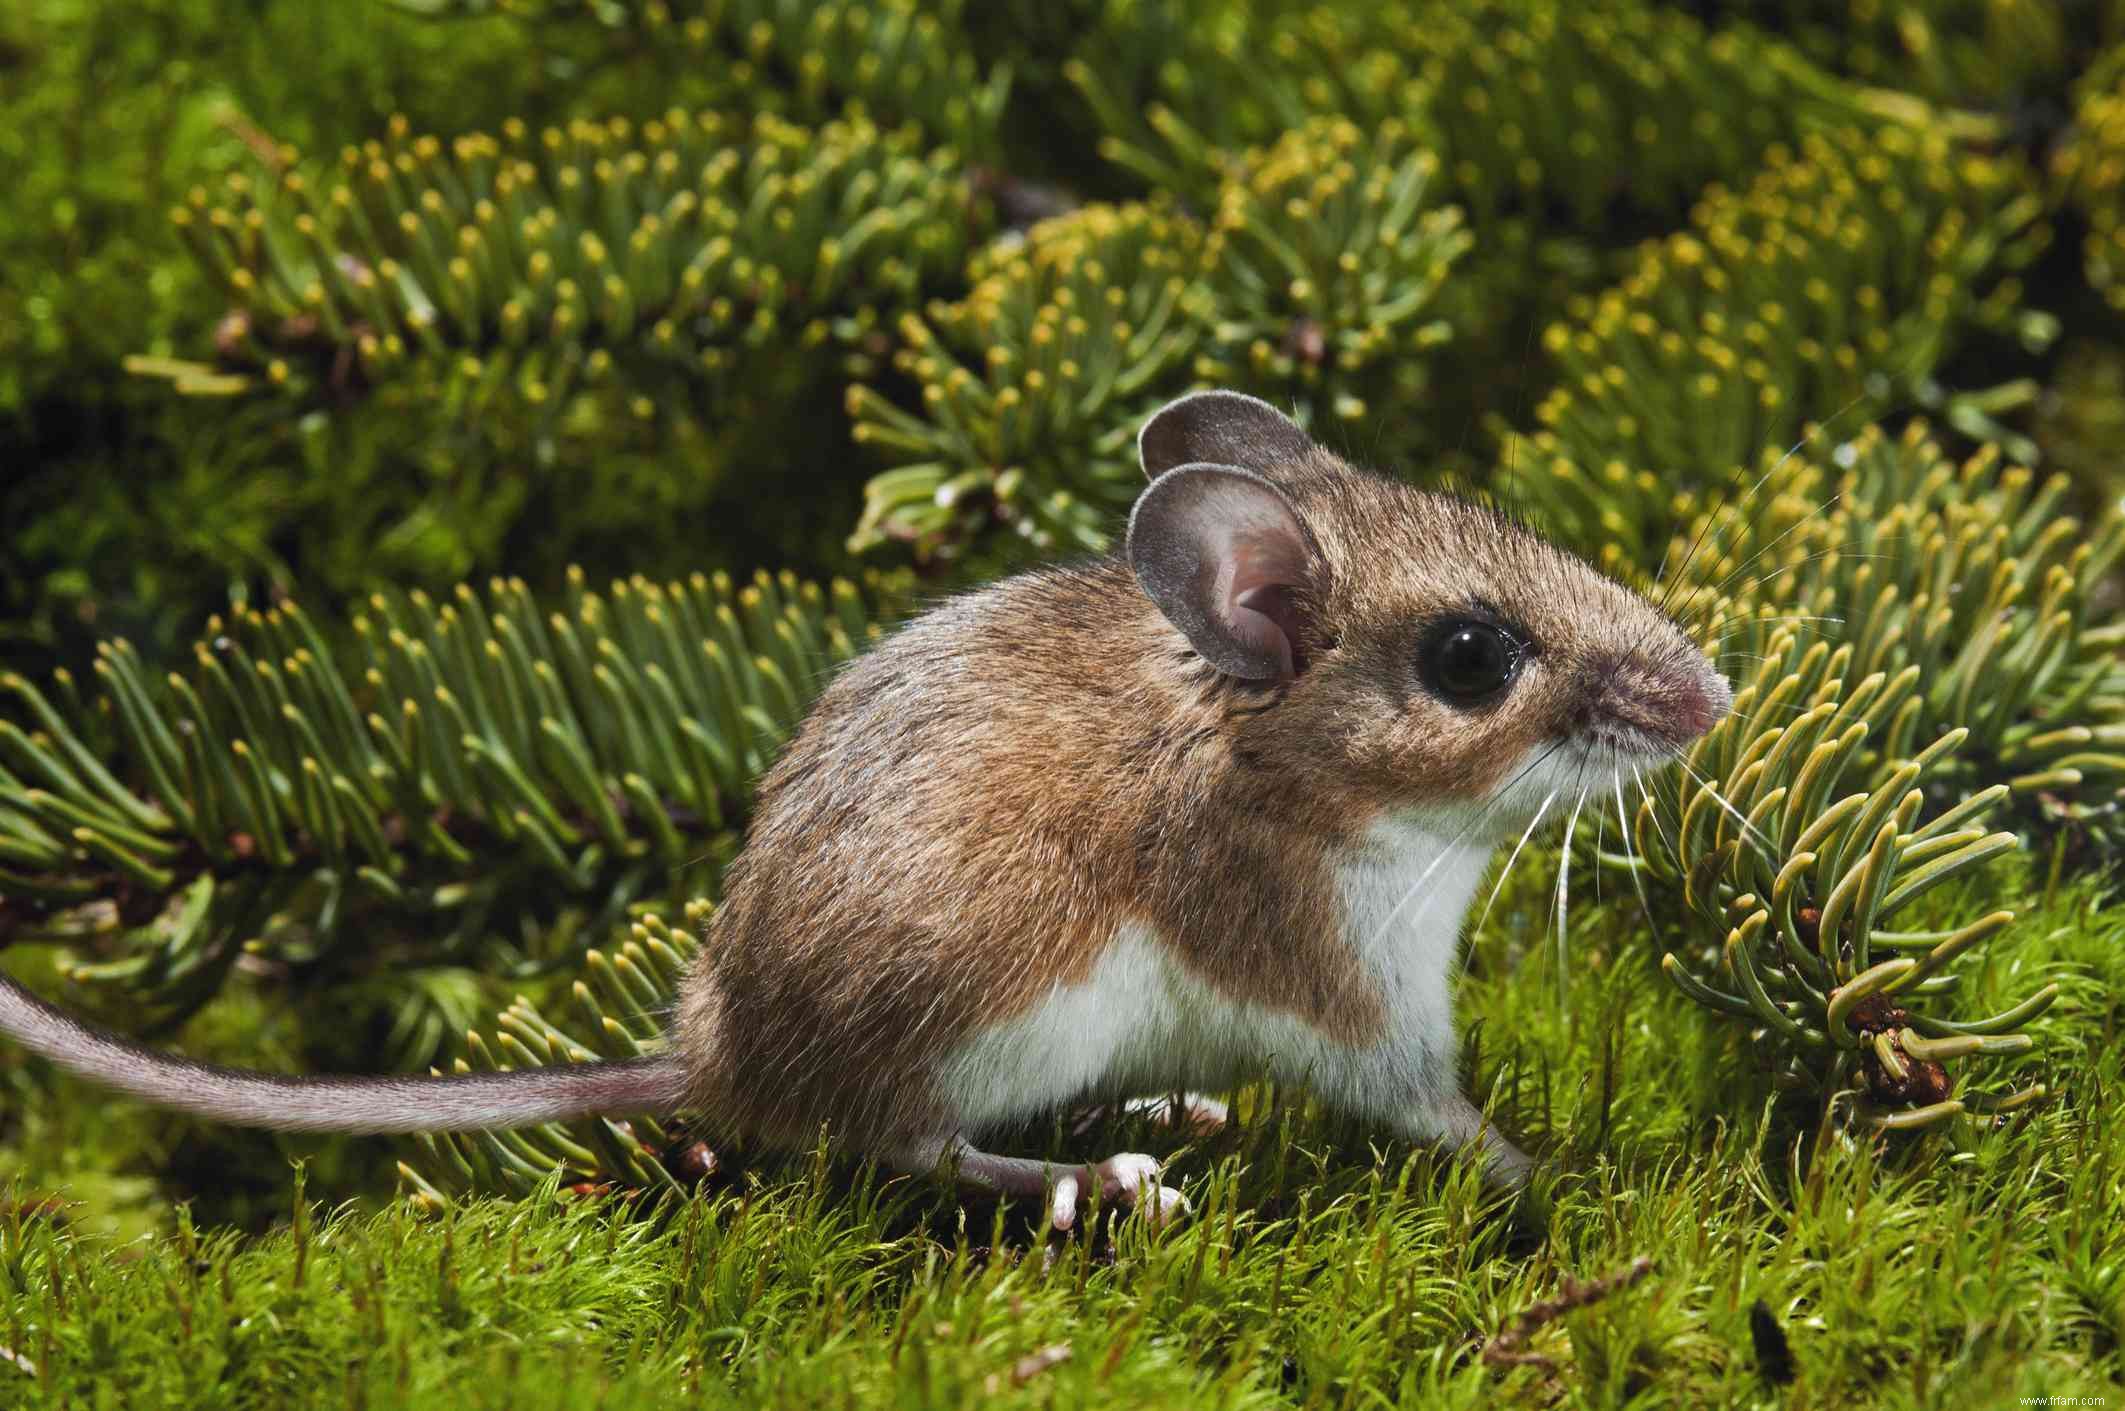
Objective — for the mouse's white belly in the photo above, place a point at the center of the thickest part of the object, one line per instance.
(1142, 1023)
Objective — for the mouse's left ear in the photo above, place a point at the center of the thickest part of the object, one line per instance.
(1226, 556)
(1220, 428)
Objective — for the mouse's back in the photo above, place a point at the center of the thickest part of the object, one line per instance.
(951, 832)
(1125, 820)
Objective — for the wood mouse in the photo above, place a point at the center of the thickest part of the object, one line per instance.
(1211, 806)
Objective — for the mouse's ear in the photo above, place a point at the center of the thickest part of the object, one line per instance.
(1220, 428)
(1222, 551)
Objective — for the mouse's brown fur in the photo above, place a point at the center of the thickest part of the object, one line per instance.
(1221, 800)
(974, 810)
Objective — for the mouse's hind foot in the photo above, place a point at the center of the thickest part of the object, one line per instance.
(1129, 1179)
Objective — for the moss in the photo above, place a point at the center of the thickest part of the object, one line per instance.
(1319, 1270)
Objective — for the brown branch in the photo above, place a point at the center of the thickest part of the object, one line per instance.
(1509, 1348)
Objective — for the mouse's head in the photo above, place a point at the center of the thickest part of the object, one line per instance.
(1413, 652)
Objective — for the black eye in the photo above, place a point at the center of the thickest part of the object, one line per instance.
(1468, 662)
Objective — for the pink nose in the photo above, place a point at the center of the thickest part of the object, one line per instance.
(1672, 701)
(1703, 703)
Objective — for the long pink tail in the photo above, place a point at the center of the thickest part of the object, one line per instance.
(460, 1102)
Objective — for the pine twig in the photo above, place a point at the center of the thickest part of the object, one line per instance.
(1509, 1348)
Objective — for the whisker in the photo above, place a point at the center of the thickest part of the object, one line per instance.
(1736, 624)
(1488, 809)
(1564, 869)
(1720, 594)
(1645, 902)
(1748, 829)
(1783, 535)
(1444, 853)
(1782, 569)
(1704, 525)
(1659, 829)
(1645, 796)
(1507, 870)
(1786, 708)
(1806, 436)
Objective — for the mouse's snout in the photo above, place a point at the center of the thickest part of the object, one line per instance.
(1704, 701)
(1657, 704)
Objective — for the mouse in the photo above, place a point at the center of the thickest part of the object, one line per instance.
(1209, 807)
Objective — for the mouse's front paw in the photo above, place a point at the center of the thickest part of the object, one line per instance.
(1130, 1179)
(1189, 1113)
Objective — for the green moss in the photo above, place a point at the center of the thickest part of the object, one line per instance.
(1317, 1271)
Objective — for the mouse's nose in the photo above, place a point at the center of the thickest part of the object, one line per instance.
(1702, 702)
(1673, 700)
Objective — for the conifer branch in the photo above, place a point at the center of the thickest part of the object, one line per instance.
(480, 752)
(1527, 105)
(605, 257)
(617, 1012)
(803, 59)
(1835, 283)
(1314, 283)
(1916, 651)
(2090, 167)
(1030, 383)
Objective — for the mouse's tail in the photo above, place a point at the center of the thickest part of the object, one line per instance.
(460, 1102)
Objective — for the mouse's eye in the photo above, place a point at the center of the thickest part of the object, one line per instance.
(1469, 662)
